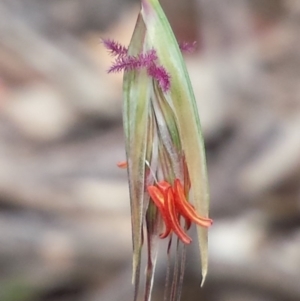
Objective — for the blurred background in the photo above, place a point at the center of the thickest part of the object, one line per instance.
(65, 230)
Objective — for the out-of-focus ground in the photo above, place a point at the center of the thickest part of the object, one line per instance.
(64, 209)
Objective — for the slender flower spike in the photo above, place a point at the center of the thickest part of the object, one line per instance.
(164, 147)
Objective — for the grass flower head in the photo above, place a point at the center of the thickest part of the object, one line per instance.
(164, 147)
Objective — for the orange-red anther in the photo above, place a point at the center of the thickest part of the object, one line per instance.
(171, 203)
(174, 217)
(158, 198)
(186, 209)
(122, 164)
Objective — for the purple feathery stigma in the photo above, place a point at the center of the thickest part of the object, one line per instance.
(124, 63)
(129, 62)
(148, 58)
(187, 47)
(115, 48)
(161, 75)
